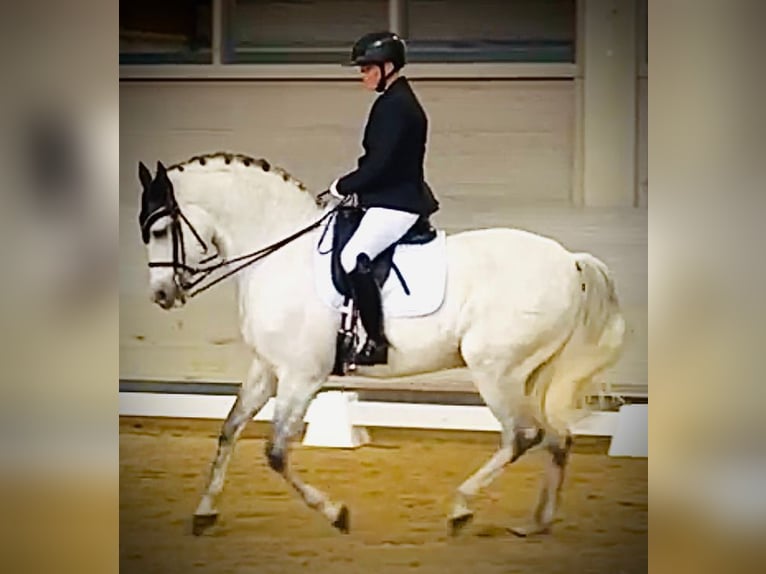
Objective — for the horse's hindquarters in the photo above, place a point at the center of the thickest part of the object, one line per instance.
(508, 293)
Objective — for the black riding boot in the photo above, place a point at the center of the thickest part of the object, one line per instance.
(367, 298)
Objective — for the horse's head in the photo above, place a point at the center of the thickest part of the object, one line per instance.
(178, 243)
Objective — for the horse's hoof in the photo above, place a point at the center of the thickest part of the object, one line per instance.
(457, 523)
(202, 522)
(343, 520)
(524, 531)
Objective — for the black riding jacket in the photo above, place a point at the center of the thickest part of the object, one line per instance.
(390, 173)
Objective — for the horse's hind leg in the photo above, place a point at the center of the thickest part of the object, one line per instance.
(549, 494)
(504, 395)
(255, 391)
(514, 443)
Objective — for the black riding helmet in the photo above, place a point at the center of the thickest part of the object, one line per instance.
(379, 48)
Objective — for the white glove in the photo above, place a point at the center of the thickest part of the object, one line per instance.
(334, 190)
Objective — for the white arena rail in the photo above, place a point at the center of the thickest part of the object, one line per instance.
(338, 419)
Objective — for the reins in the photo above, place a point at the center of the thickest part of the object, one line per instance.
(179, 263)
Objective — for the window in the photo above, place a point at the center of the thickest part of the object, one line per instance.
(322, 31)
(491, 30)
(169, 31)
(303, 31)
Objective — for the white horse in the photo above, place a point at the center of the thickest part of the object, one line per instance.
(531, 321)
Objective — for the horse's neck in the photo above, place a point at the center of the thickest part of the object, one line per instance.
(251, 214)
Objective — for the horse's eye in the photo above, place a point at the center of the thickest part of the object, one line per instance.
(160, 233)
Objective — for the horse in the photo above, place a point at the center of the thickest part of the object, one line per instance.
(531, 321)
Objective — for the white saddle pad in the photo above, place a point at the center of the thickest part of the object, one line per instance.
(424, 268)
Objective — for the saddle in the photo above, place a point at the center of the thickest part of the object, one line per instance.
(346, 223)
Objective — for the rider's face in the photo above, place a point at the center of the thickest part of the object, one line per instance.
(370, 76)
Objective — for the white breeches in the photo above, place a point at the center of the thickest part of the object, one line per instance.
(379, 229)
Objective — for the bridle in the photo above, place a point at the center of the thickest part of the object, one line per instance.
(206, 268)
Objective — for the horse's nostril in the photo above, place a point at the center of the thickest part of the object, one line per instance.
(161, 295)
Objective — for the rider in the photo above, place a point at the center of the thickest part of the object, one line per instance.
(388, 182)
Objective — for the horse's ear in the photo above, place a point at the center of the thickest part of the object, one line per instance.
(144, 174)
(161, 171)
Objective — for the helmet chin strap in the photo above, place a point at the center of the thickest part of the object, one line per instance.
(381, 87)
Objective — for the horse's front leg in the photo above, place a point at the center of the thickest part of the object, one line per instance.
(293, 397)
(253, 394)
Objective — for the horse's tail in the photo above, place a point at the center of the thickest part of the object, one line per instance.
(602, 319)
(594, 345)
